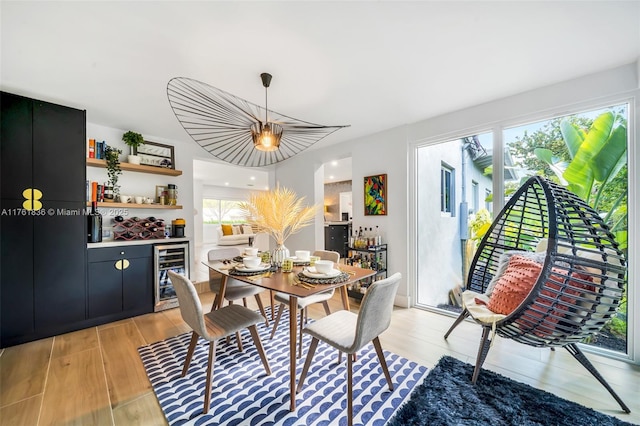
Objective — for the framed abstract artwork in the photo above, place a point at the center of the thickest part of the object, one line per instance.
(375, 195)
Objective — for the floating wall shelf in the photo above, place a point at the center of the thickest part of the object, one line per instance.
(136, 206)
(141, 168)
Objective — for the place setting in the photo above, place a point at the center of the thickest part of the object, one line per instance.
(251, 265)
(322, 272)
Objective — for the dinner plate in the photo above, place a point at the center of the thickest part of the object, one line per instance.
(261, 267)
(296, 260)
(312, 273)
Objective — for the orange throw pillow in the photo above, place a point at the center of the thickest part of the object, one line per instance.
(227, 230)
(514, 285)
(555, 313)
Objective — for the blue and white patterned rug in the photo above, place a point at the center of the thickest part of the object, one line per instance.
(244, 395)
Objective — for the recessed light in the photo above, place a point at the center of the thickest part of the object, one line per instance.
(334, 163)
(330, 176)
(226, 183)
(252, 178)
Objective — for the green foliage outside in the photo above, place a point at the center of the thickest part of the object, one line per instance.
(589, 157)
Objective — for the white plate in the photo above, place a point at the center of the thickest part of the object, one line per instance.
(295, 259)
(312, 273)
(261, 267)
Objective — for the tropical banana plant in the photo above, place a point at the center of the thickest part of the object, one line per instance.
(597, 156)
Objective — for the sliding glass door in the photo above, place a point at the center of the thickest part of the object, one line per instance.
(454, 188)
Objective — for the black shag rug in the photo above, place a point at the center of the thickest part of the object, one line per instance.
(447, 397)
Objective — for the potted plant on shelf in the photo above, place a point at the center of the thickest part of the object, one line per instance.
(113, 171)
(279, 213)
(134, 140)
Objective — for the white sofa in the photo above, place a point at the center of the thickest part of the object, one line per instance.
(240, 236)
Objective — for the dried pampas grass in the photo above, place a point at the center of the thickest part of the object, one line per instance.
(278, 212)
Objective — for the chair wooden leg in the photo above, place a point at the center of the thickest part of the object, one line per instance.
(458, 320)
(383, 362)
(275, 324)
(339, 357)
(244, 302)
(349, 390)
(577, 354)
(256, 340)
(300, 331)
(192, 347)
(239, 340)
(207, 388)
(327, 310)
(483, 350)
(307, 363)
(261, 307)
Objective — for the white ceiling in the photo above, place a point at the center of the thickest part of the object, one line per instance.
(372, 65)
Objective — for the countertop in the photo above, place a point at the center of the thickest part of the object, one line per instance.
(113, 243)
(337, 223)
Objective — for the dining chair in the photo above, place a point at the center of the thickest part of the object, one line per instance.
(235, 290)
(213, 326)
(349, 332)
(304, 302)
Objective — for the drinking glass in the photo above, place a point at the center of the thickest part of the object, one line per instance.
(287, 265)
(312, 260)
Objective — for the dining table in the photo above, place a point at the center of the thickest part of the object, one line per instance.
(289, 283)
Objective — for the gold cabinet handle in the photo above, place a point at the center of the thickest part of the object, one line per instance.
(122, 264)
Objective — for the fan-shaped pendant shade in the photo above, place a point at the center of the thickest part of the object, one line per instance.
(224, 124)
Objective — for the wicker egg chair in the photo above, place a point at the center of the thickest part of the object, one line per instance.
(580, 283)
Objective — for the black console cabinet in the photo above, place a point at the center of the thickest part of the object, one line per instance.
(336, 238)
(43, 247)
(120, 282)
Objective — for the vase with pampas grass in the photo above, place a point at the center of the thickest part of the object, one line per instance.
(280, 213)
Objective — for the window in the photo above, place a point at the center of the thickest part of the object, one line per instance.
(475, 196)
(221, 211)
(447, 189)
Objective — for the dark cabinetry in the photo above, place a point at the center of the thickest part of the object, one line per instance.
(336, 238)
(120, 282)
(42, 225)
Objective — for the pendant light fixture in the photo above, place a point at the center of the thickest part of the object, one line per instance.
(266, 137)
(232, 129)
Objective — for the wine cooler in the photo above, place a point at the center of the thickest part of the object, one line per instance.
(169, 257)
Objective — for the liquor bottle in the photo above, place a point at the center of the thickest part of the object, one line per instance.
(94, 224)
(378, 236)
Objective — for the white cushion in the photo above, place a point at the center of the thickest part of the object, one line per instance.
(479, 311)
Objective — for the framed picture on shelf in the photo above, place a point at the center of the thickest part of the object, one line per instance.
(375, 195)
(160, 189)
(156, 154)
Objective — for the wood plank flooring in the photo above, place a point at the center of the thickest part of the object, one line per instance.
(95, 376)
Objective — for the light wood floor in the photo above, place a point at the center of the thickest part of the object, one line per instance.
(95, 376)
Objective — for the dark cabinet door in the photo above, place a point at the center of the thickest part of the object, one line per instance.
(120, 282)
(16, 274)
(137, 286)
(59, 169)
(16, 149)
(59, 262)
(105, 288)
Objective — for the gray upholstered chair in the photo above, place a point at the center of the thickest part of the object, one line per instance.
(213, 326)
(303, 302)
(235, 289)
(349, 332)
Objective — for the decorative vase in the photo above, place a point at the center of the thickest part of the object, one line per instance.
(133, 159)
(279, 254)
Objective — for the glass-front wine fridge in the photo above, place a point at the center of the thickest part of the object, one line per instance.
(169, 257)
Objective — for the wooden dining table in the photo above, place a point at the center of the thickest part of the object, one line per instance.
(287, 283)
